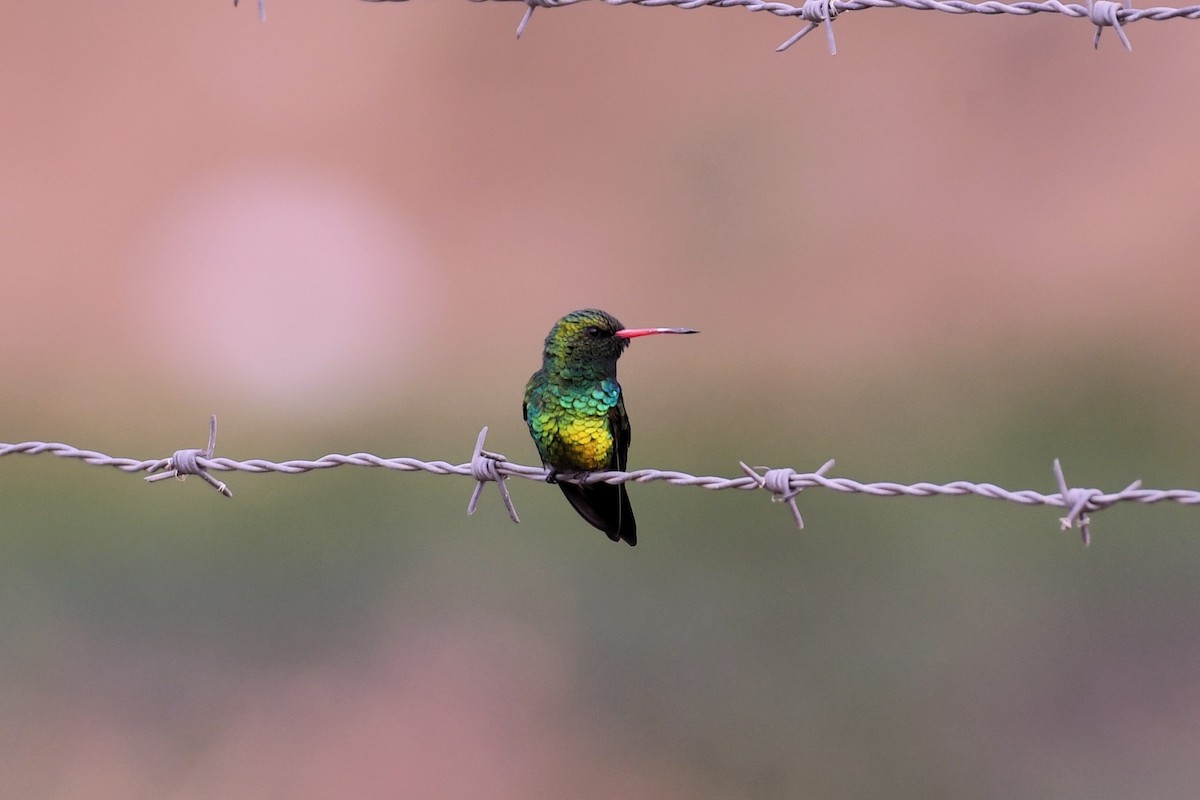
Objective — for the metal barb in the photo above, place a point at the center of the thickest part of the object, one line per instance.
(262, 9)
(1106, 12)
(816, 12)
(795, 37)
(187, 462)
(529, 9)
(483, 469)
(1076, 500)
(779, 483)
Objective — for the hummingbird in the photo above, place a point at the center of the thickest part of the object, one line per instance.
(575, 411)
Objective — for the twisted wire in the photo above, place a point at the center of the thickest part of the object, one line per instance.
(781, 9)
(783, 484)
(1100, 13)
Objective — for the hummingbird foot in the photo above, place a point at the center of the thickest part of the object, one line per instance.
(568, 475)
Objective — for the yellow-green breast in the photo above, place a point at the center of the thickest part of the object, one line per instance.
(572, 422)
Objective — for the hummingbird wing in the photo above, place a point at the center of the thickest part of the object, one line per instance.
(619, 420)
(618, 423)
(529, 389)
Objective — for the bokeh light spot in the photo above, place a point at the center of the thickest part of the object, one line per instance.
(284, 284)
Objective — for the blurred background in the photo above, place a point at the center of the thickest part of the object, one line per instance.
(961, 248)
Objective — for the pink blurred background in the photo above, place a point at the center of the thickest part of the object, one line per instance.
(349, 228)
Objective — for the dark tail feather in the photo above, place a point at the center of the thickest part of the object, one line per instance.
(605, 506)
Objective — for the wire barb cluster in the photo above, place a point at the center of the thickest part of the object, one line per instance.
(187, 462)
(1100, 13)
(783, 484)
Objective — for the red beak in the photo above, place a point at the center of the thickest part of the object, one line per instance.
(629, 333)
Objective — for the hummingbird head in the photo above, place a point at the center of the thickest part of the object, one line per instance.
(594, 336)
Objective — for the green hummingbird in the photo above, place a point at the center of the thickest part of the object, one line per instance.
(576, 413)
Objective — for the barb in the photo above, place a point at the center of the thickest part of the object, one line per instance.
(779, 481)
(483, 469)
(784, 483)
(1100, 13)
(1107, 13)
(187, 462)
(816, 12)
(262, 9)
(530, 7)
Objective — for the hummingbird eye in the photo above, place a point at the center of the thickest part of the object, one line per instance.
(592, 331)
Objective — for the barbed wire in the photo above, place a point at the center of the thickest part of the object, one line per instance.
(784, 484)
(1100, 13)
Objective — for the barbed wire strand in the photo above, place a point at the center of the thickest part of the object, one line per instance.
(1100, 13)
(783, 484)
